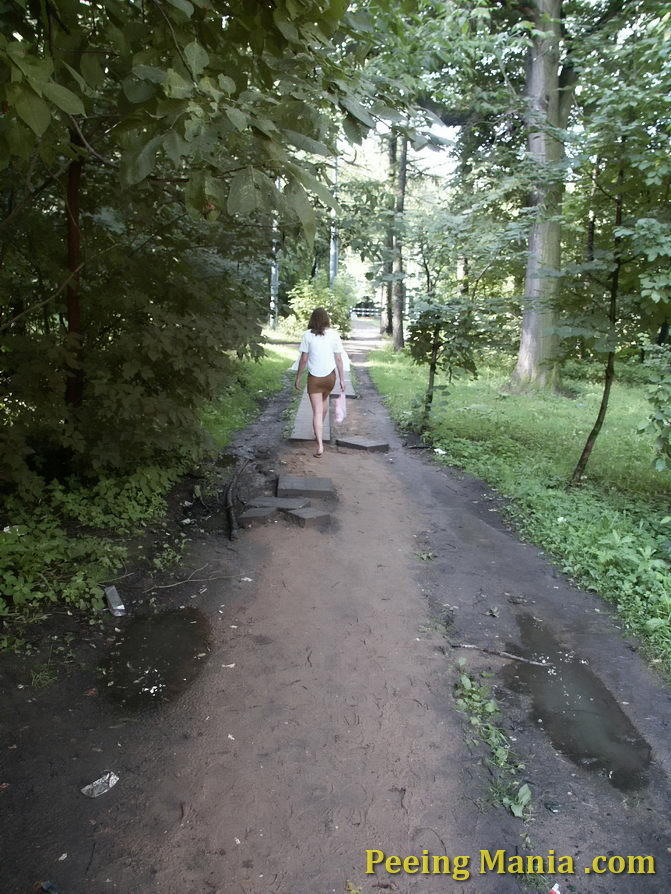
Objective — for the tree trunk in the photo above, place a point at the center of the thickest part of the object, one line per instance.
(74, 386)
(591, 216)
(388, 262)
(462, 276)
(609, 374)
(549, 102)
(274, 276)
(334, 243)
(398, 291)
(428, 397)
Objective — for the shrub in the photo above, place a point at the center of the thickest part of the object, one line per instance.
(337, 300)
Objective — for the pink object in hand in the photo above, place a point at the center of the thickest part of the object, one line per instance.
(340, 408)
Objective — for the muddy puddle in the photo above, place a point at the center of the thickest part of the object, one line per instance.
(578, 713)
(155, 658)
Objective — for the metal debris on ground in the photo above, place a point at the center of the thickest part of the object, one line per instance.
(115, 602)
(101, 786)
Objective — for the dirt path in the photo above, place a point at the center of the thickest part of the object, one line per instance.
(335, 729)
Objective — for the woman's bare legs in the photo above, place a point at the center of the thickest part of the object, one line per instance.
(318, 420)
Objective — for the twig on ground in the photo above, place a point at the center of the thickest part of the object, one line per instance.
(191, 579)
(501, 654)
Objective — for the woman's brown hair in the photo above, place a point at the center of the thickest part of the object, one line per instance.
(319, 320)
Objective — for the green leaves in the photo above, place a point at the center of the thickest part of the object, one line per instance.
(300, 203)
(357, 111)
(301, 141)
(32, 109)
(138, 163)
(183, 5)
(176, 147)
(243, 195)
(238, 119)
(175, 86)
(63, 98)
(197, 57)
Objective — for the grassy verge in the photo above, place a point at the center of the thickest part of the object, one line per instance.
(239, 404)
(613, 533)
(77, 537)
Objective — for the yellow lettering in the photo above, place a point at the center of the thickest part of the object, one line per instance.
(515, 864)
(460, 871)
(495, 863)
(641, 866)
(535, 865)
(551, 868)
(599, 862)
(425, 862)
(566, 866)
(441, 866)
(410, 865)
(372, 859)
(616, 865)
(392, 864)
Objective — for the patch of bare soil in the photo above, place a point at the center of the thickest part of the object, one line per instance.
(317, 719)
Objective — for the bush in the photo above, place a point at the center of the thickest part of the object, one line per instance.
(337, 300)
(629, 372)
(658, 365)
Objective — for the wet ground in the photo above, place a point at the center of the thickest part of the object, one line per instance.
(272, 723)
(576, 711)
(158, 656)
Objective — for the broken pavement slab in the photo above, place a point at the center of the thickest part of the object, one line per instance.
(258, 515)
(280, 502)
(367, 444)
(309, 517)
(290, 486)
(302, 429)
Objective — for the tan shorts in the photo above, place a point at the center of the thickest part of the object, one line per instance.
(321, 384)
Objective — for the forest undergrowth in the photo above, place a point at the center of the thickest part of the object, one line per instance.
(77, 536)
(612, 533)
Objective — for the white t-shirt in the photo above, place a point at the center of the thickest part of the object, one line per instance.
(320, 350)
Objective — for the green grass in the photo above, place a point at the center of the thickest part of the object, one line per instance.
(239, 405)
(476, 700)
(613, 533)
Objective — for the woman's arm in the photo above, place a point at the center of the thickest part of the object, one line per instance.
(341, 371)
(302, 363)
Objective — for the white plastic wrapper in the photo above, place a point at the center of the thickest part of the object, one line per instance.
(100, 786)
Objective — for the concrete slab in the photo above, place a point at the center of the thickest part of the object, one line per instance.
(257, 516)
(367, 444)
(302, 430)
(309, 517)
(290, 486)
(280, 502)
(349, 388)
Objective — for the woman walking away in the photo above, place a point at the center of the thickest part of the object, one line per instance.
(321, 351)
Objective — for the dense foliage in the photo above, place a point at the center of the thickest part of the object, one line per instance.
(337, 300)
(148, 151)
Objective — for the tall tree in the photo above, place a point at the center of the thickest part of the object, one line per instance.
(398, 282)
(547, 113)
